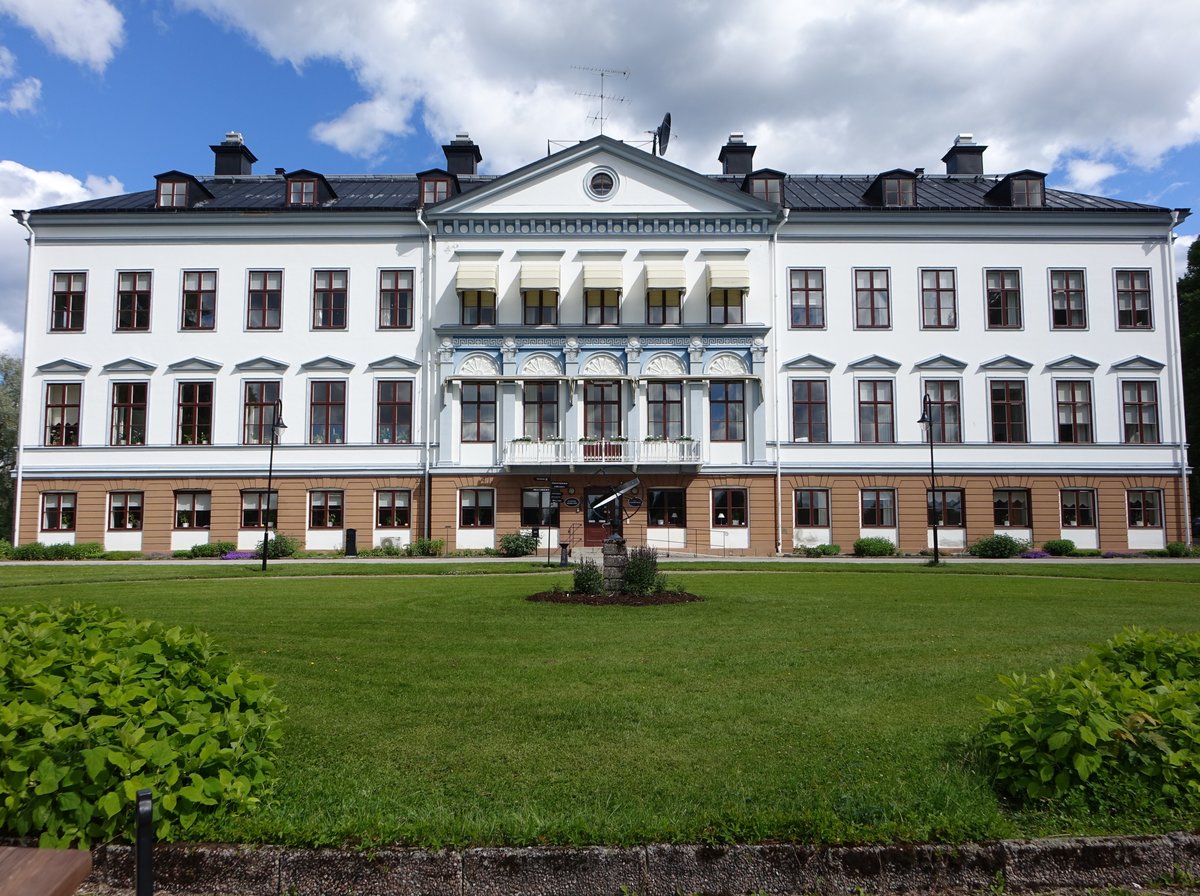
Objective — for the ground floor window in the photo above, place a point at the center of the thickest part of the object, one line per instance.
(1078, 508)
(477, 508)
(812, 507)
(255, 510)
(1144, 506)
(728, 507)
(536, 510)
(193, 510)
(58, 512)
(878, 508)
(392, 509)
(1010, 508)
(944, 507)
(325, 510)
(125, 510)
(667, 508)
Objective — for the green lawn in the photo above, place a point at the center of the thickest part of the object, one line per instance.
(795, 702)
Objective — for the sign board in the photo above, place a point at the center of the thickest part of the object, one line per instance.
(555, 496)
(572, 502)
(559, 484)
(634, 502)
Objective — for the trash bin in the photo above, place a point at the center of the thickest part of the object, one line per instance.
(563, 550)
(351, 542)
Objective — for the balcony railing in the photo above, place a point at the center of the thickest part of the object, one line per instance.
(603, 451)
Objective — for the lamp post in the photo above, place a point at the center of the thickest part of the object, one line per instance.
(927, 421)
(277, 426)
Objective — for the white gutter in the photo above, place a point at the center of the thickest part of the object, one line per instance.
(429, 264)
(773, 351)
(1175, 365)
(22, 219)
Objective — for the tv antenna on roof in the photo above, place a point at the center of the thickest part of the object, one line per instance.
(602, 72)
(662, 135)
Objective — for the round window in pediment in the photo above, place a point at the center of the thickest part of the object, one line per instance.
(601, 183)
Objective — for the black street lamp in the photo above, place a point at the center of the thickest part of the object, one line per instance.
(927, 420)
(277, 426)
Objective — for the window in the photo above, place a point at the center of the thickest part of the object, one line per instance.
(728, 507)
(195, 414)
(601, 410)
(1027, 192)
(1003, 300)
(810, 411)
(768, 189)
(393, 509)
(1010, 508)
(725, 306)
(199, 300)
(1078, 508)
(807, 298)
(435, 189)
(133, 300)
(58, 511)
(128, 414)
(601, 184)
(541, 306)
(265, 300)
(875, 417)
(899, 192)
(1145, 508)
(944, 410)
(327, 412)
(938, 300)
(325, 510)
(1074, 398)
(1008, 410)
(1139, 406)
(172, 194)
(329, 300)
(812, 507)
(262, 399)
(1068, 302)
(1133, 300)
(878, 508)
(664, 405)
(478, 307)
(393, 412)
(664, 306)
(944, 507)
(536, 510)
(395, 300)
(667, 508)
(255, 511)
(602, 307)
(125, 510)
(302, 191)
(62, 413)
(727, 412)
(872, 304)
(70, 293)
(478, 412)
(540, 401)
(193, 510)
(476, 508)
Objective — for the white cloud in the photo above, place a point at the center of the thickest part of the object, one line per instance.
(1181, 247)
(1086, 176)
(85, 31)
(28, 188)
(21, 96)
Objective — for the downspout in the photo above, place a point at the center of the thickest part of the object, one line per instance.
(428, 264)
(774, 349)
(1176, 381)
(22, 219)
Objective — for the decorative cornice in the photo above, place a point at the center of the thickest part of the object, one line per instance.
(195, 364)
(809, 362)
(262, 363)
(328, 363)
(634, 225)
(1072, 362)
(1138, 362)
(129, 365)
(63, 365)
(1006, 362)
(394, 362)
(874, 362)
(940, 362)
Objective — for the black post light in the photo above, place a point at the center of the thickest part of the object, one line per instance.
(927, 421)
(277, 426)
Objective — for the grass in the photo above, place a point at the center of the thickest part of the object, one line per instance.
(795, 702)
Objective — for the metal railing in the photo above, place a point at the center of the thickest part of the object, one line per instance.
(601, 451)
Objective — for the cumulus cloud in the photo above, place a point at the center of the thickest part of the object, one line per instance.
(1087, 176)
(21, 96)
(85, 31)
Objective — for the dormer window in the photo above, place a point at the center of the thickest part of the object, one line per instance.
(1028, 192)
(172, 194)
(435, 189)
(176, 189)
(302, 191)
(899, 192)
(768, 189)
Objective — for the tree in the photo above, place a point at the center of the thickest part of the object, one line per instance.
(1189, 348)
(10, 410)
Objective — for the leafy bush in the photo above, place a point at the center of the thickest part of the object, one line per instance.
(6, 549)
(95, 706)
(998, 547)
(425, 547)
(121, 555)
(874, 547)
(589, 579)
(820, 550)
(1059, 547)
(213, 549)
(279, 546)
(641, 573)
(518, 544)
(1087, 552)
(1119, 729)
(35, 550)
(1177, 549)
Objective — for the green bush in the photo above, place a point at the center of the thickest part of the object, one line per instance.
(1118, 730)
(95, 706)
(6, 549)
(35, 550)
(1087, 552)
(998, 547)
(518, 544)
(424, 547)
(212, 549)
(278, 547)
(121, 555)
(1059, 547)
(589, 579)
(820, 550)
(641, 573)
(874, 547)
(1177, 549)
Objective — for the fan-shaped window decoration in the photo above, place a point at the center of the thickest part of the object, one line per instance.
(603, 365)
(664, 365)
(479, 365)
(728, 365)
(541, 365)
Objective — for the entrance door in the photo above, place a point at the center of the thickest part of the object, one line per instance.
(600, 522)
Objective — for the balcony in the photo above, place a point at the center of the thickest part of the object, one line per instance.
(655, 452)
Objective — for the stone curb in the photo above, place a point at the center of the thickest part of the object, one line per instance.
(660, 870)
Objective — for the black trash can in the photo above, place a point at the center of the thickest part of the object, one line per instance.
(351, 542)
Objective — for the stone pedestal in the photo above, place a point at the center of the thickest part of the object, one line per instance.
(616, 558)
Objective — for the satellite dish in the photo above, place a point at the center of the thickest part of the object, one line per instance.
(662, 136)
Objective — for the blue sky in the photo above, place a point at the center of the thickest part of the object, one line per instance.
(97, 98)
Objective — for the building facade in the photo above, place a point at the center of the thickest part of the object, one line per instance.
(747, 357)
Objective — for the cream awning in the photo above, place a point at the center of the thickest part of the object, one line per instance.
(603, 275)
(476, 275)
(665, 273)
(728, 275)
(539, 275)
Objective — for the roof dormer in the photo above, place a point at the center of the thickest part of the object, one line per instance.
(893, 189)
(307, 188)
(175, 189)
(1021, 189)
(436, 185)
(765, 184)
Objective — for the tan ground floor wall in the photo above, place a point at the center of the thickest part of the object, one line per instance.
(761, 532)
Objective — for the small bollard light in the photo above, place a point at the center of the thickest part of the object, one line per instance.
(144, 879)
(563, 551)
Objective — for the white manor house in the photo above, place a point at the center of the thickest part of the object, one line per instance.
(462, 356)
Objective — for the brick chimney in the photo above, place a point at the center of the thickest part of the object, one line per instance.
(232, 155)
(736, 157)
(965, 156)
(462, 155)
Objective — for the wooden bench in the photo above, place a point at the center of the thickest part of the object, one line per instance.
(42, 872)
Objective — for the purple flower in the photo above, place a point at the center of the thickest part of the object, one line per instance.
(1034, 555)
(239, 555)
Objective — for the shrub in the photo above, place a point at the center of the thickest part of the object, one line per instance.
(1033, 555)
(33, 550)
(6, 549)
(518, 544)
(1087, 552)
(95, 706)
(998, 547)
(1059, 547)
(121, 555)
(874, 547)
(641, 573)
(589, 579)
(424, 547)
(1117, 730)
(279, 546)
(820, 550)
(1177, 549)
(212, 549)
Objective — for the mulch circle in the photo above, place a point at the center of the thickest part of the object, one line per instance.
(605, 600)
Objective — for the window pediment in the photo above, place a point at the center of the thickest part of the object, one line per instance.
(262, 363)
